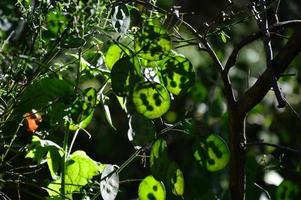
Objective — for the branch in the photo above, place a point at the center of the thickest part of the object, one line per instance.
(204, 44)
(263, 23)
(275, 27)
(282, 148)
(279, 64)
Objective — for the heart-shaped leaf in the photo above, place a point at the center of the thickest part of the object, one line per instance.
(80, 168)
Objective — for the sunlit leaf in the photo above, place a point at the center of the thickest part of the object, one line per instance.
(54, 159)
(175, 179)
(213, 153)
(110, 183)
(80, 168)
(152, 43)
(39, 148)
(83, 109)
(159, 159)
(151, 99)
(141, 130)
(177, 73)
(287, 190)
(151, 189)
(56, 22)
(113, 54)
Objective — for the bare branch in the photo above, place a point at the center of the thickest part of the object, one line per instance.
(281, 62)
(263, 23)
(275, 27)
(280, 147)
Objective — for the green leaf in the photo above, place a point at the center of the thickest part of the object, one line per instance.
(39, 148)
(83, 109)
(159, 159)
(141, 130)
(113, 54)
(177, 74)
(110, 183)
(151, 99)
(213, 154)
(152, 43)
(151, 189)
(175, 179)
(80, 168)
(44, 92)
(122, 76)
(121, 18)
(224, 37)
(287, 190)
(56, 22)
(54, 159)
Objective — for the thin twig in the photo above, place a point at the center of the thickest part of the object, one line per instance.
(247, 40)
(265, 191)
(263, 23)
(280, 147)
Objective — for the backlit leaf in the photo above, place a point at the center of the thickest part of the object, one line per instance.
(113, 54)
(177, 73)
(152, 42)
(151, 99)
(39, 148)
(175, 179)
(151, 189)
(80, 168)
(159, 159)
(213, 154)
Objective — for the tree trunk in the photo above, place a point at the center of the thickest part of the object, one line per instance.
(237, 142)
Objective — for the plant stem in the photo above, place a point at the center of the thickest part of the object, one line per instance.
(65, 156)
(73, 140)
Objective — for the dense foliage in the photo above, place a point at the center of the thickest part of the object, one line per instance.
(125, 99)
